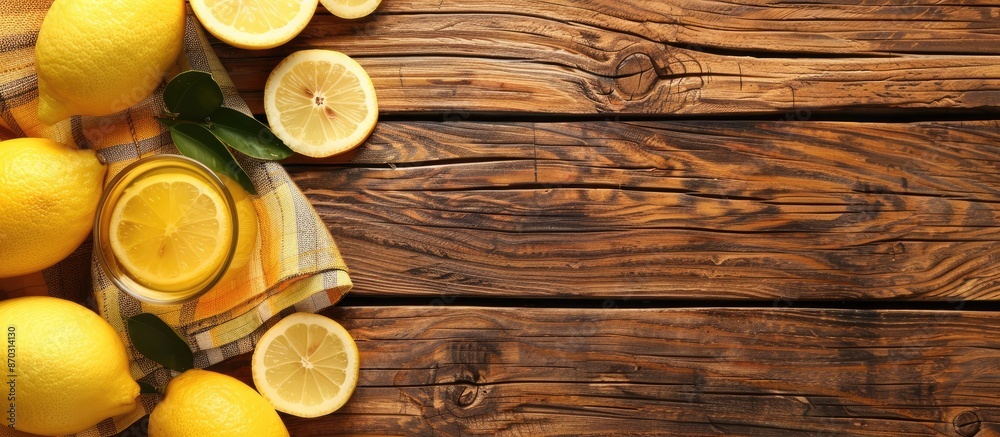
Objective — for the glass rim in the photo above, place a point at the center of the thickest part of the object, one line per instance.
(103, 203)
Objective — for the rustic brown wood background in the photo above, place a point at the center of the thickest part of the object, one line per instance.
(677, 217)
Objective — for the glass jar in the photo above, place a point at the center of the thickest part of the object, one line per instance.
(127, 281)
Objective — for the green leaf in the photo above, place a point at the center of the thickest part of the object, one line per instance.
(147, 388)
(154, 339)
(244, 133)
(197, 142)
(193, 95)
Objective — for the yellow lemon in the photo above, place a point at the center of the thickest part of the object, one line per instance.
(254, 24)
(246, 238)
(350, 9)
(306, 365)
(70, 366)
(171, 231)
(48, 196)
(201, 403)
(99, 57)
(320, 102)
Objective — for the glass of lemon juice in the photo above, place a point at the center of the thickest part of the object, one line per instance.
(166, 229)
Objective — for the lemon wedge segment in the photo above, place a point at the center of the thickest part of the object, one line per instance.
(171, 231)
(306, 365)
(254, 24)
(320, 102)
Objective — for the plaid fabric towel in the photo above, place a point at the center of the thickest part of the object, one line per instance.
(296, 266)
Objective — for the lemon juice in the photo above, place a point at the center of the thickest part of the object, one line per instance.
(166, 229)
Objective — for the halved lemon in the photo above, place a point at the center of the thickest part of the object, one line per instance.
(254, 24)
(320, 102)
(306, 365)
(350, 9)
(171, 231)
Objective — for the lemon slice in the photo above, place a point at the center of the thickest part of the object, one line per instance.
(350, 9)
(320, 102)
(306, 365)
(254, 24)
(171, 231)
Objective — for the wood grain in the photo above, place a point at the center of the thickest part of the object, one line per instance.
(677, 210)
(453, 371)
(644, 57)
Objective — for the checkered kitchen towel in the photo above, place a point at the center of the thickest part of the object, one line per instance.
(296, 266)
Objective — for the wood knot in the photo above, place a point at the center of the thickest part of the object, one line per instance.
(465, 393)
(967, 424)
(660, 79)
(635, 76)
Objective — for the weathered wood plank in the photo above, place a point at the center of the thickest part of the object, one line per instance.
(680, 210)
(767, 27)
(756, 372)
(643, 57)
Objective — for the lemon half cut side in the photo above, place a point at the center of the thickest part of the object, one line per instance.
(306, 365)
(351, 9)
(254, 24)
(320, 102)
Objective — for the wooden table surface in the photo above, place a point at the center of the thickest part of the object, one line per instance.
(683, 217)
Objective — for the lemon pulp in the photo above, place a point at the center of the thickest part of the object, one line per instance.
(254, 24)
(320, 102)
(306, 365)
(170, 231)
(351, 9)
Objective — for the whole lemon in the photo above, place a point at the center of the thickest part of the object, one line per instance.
(201, 403)
(69, 365)
(246, 239)
(48, 197)
(99, 57)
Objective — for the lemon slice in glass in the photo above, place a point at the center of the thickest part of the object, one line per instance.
(350, 9)
(171, 231)
(306, 365)
(254, 24)
(320, 102)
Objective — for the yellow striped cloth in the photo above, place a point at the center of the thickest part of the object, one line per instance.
(296, 266)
